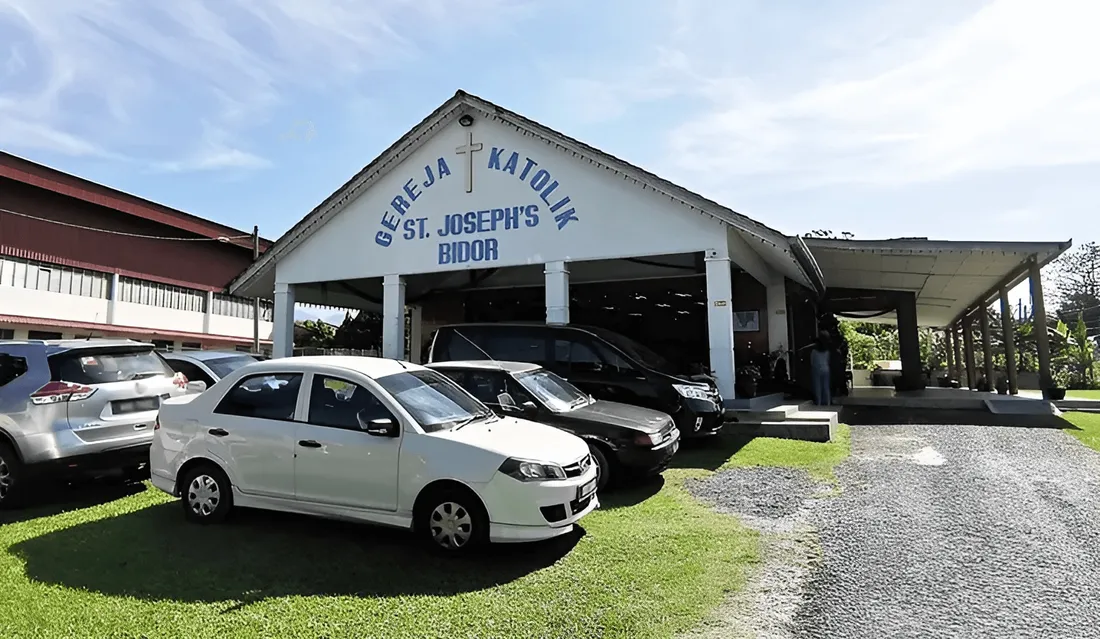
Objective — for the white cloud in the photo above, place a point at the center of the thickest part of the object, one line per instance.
(88, 76)
(1014, 85)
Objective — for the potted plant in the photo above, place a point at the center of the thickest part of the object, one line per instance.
(747, 378)
(1002, 385)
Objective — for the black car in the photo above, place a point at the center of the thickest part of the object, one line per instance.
(602, 363)
(626, 441)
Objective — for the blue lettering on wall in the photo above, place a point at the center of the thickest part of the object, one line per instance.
(452, 250)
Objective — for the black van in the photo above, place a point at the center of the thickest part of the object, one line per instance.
(602, 363)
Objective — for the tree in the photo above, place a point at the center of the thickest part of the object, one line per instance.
(827, 234)
(1076, 280)
(314, 333)
(1074, 355)
(364, 331)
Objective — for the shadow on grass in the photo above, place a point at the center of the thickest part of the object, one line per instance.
(709, 453)
(153, 554)
(891, 416)
(633, 494)
(54, 499)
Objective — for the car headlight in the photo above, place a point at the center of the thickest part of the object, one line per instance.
(526, 470)
(690, 391)
(647, 439)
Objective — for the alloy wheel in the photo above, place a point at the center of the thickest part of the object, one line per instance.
(6, 479)
(203, 495)
(451, 525)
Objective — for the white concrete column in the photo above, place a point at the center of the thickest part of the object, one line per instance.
(207, 311)
(283, 333)
(112, 298)
(557, 292)
(777, 316)
(720, 320)
(393, 317)
(416, 333)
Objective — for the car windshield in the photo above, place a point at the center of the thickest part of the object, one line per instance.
(90, 366)
(639, 353)
(433, 400)
(223, 366)
(559, 395)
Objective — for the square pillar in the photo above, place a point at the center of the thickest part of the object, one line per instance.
(720, 320)
(968, 350)
(1039, 325)
(283, 331)
(1009, 331)
(112, 298)
(908, 342)
(416, 332)
(957, 347)
(777, 317)
(207, 310)
(987, 344)
(557, 292)
(393, 317)
(949, 350)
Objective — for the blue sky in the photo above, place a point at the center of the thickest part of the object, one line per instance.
(955, 119)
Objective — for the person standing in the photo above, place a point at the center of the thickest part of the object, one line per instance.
(820, 370)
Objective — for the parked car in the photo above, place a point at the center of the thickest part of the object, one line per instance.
(208, 366)
(373, 440)
(624, 440)
(75, 407)
(602, 363)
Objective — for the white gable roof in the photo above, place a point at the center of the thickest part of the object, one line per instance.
(753, 245)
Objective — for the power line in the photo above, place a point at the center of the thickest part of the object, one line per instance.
(221, 238)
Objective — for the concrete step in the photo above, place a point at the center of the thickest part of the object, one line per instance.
(812, 431)
(775, 413)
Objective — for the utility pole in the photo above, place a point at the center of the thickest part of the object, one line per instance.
(255, 300)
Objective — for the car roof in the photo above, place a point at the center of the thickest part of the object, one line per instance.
(488, 364)
(53, 346)
(531, 324)
(204, 356)
(373, 367)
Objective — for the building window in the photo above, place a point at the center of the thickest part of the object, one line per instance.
(231, 306)
(163, 345)
(137, 291)
(7, 333)
(53, 278)
(43, 335)
(244, 349)
(191, 346)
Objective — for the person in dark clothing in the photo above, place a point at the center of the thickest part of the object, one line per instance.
(820, 370)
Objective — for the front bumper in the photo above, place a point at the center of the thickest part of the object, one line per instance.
(648, 461)
(532, 511)
(699, 417)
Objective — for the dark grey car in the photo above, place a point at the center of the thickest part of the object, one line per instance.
(207, 366)
(78, 407)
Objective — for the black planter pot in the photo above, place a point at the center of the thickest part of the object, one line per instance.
(1054, 394)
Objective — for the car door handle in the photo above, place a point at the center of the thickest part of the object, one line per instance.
(309, 443)
(218, 432)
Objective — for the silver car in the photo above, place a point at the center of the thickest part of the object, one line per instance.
(75, 407)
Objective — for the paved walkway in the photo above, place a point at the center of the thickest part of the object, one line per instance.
(958, 531)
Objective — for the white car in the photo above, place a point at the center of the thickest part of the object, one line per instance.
(373, 440)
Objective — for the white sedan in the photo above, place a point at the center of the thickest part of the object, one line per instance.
(373, 440)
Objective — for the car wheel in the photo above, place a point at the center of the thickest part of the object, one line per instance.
(10, 470)
(207, 495)
(454, 522)
(605, 474)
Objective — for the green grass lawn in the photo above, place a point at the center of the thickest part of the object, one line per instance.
(1088, 428)
(123, 563)
(1083, 394)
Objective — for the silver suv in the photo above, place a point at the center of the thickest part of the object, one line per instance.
(77, 407)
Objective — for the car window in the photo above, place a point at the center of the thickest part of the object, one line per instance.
(11, 368)
(265, 396)
(338, 403)
(574, 355)
(433, 400)
(554, 392)
(98, 366)
(485, 385)
(192, 372)
(223, 366)
(517, 347)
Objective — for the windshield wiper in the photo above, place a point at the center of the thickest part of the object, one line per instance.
(473, 418)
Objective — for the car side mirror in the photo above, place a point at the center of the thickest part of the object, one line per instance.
(381, 427)
(529, 408)
(196, 386)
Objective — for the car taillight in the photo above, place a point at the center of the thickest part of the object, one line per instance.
(55, 392)
(179, 379)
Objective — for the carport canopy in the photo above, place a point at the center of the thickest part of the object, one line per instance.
(948, 278)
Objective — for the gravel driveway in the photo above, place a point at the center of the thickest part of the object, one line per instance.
(940, 531)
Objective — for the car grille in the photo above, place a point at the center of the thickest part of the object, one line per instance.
(579, 468)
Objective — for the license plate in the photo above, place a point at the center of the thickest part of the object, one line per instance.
(586, 490)
(698, 423)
